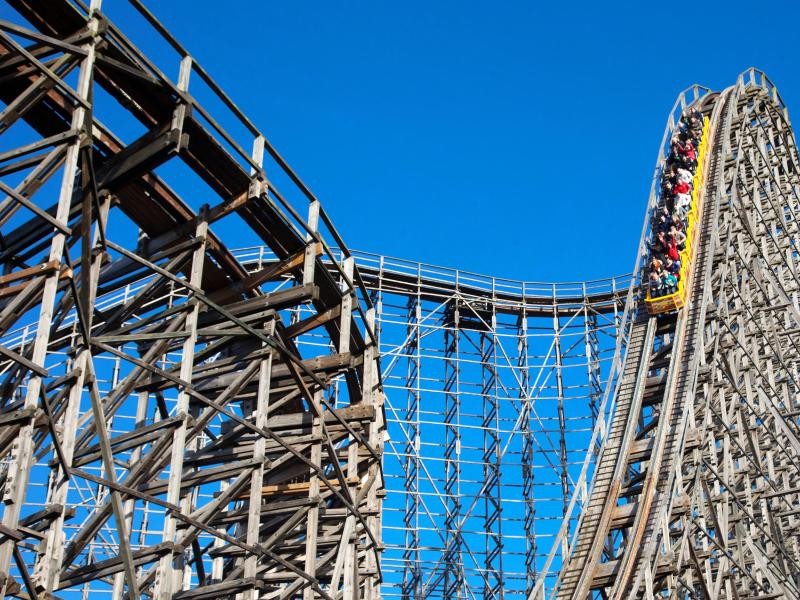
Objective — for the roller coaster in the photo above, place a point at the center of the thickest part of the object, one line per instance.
(683, 473)
(185, 418)
(676, 300)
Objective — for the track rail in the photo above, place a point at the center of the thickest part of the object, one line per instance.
(597, 515)
(645, 434)
(701, 501)
(669, 438)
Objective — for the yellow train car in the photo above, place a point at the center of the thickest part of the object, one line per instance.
(677, 299)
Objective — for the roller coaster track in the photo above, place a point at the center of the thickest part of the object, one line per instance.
(653, 385)
(179, 420)
(653, 482)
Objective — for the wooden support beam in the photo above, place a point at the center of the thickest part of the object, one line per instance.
(169, 569)
(261, 409)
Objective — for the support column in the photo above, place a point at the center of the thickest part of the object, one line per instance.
(351, 575)
(170, 566)
(47, 569)
(261, 417)
(492, 501)
(411, 555)
(21, 456)
(312, 522)
(373, 396)
(311, 253)
(128, 506)
(453, 565)
(562, 421)
(595, 389)
(528, 454)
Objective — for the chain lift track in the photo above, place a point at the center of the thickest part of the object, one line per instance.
(652, 370)
(696, 490)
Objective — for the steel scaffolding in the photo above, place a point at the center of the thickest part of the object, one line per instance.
(492, 396)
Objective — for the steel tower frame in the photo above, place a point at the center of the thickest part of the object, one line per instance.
(490, 385)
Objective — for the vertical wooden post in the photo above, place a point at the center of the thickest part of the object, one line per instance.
(166, 580)
(21, 457)
(347, 309)
(218, 562)
(167, 575)
(261, 413)
(351, 583)
(117, 592)
(346, 558)
(47, 569)
(373, 396)
(312, 522)
(311, 251)
(182, 108)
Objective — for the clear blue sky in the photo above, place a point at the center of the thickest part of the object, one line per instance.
(516, 138)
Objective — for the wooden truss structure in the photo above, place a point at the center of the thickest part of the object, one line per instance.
(178, 420)
(164, 429)
(696, 493)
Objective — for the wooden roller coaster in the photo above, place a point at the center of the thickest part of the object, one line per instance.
(180, 421)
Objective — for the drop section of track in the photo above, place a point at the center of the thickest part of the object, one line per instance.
(630, 485)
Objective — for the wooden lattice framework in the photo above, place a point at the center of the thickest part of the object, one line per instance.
(166, 429)
(177, 424)
(697, 489)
